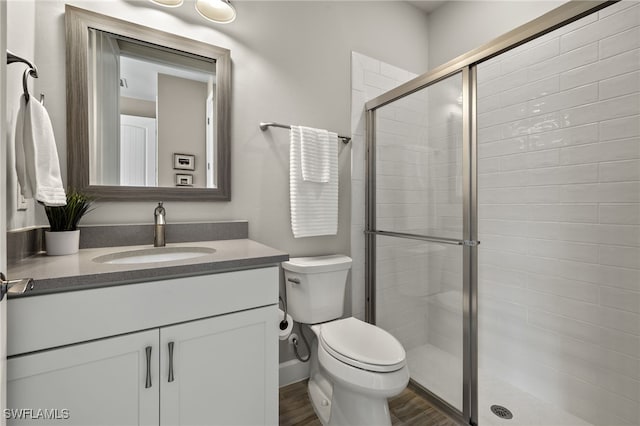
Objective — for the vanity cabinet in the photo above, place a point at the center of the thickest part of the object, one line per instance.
(98, 383)
(190, 368)
(218, 364)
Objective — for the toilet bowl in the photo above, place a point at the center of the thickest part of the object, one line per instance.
(355, 366)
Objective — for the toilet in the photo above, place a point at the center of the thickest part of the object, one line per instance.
(355, 366)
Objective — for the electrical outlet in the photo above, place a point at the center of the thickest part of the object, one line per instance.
(21, 203)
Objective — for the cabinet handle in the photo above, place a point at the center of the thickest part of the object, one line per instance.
(171, 377)
(148, 381)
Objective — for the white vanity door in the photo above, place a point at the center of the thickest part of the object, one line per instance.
(98, 383)
(225, 370)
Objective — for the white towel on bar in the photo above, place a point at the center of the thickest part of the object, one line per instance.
(37, 163)
(314, 206)
(314, 154)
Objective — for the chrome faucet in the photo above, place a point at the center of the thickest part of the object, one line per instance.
(160, 222)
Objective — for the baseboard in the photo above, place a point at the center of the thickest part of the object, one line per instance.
(293, 371)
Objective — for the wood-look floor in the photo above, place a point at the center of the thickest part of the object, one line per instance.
(407, 409)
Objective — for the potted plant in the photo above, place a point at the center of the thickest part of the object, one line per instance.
(63, 236)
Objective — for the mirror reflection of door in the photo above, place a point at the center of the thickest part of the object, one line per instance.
(210, 143)
(137, 151)
(132, 83)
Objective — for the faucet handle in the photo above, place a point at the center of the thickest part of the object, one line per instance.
(160, 214)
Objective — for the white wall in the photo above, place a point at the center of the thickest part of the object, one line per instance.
(559, 216)
(457, 27)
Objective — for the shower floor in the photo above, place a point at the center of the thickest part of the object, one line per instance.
(441, 373)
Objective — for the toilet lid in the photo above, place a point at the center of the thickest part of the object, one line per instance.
(362, 345)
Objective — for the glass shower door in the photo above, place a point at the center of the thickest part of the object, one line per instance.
(418, 223)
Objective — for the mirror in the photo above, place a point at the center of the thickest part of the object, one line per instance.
(147, 112)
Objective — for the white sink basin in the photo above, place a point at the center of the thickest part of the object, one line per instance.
(153, 255)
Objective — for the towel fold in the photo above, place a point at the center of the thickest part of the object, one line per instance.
(37, 163)
(314, 205)
(314, 154)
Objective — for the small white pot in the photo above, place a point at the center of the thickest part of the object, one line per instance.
(61, 243)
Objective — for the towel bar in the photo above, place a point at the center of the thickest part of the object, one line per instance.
(264, 126)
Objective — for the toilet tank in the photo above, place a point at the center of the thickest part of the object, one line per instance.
(315, 287)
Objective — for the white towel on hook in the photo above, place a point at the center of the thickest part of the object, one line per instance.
(37, 163)
(314, 154)
(314, 206)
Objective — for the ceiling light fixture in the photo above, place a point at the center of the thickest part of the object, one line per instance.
(220, 11)
(168, 3)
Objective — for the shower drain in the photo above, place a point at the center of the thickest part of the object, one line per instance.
(502, 412)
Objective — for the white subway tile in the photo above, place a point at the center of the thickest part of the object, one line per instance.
(584, 173)
(626, 257)
(619, 192)
(489, 165)
(616, 65)
(530, 56)
(618, 171)
(537, 89)
(506, 82)
(489, 134)
(622, 214)
(624, 235)
(576, 232)
(546, 158)
(489, 103)
(619, 150)
(564, 250)
(575, 213)
(564, 62)
(503, 180)
(570, 136)
(502, 147)
(503, 211)
(620, 299)
(623, 278)
(399, 75)
(600, 29)
(621, 128)
(575, 193)
(562, 100)
(364, 62)
(608, 338)
(376, 80)
(620, 85)
(579, 290)
(609, 109)
(621, 42)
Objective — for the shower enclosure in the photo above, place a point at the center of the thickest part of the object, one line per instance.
(503, 222)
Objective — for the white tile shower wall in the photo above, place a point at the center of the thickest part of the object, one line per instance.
(419, 191)
(369, 78)
(559, 216)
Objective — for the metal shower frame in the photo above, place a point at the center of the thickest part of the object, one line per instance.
(465, 64)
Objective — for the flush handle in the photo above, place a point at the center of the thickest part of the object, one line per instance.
(147, 383)
(14, 286)
(171, 377)
(294, 280)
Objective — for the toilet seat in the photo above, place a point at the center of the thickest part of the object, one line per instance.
(362, 345)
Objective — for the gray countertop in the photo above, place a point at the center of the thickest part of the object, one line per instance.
(54, 274)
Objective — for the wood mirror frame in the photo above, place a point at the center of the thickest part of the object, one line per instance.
(77, 22)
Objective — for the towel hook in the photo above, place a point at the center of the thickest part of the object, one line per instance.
(31, 71)
(25, 76)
